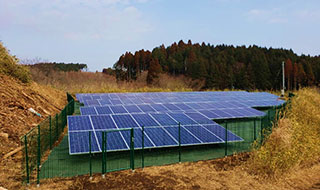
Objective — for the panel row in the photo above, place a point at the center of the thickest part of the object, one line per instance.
(180, 95)
(153, 137)
(209, 112)
(216, 103)
(119, 121)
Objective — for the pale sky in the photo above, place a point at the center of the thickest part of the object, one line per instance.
(97, 32)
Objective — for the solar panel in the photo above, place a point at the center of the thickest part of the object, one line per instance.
(221, 114)
(103, 110)
(102, 122)
(209, 114)
(145, 120)
(137, 138)
(187, 138)
(124, 121)
(199, 118)
(118, 109)
(146, 108)
(113, 95)
(220, 132)
(255, 112)
(91, 103)
(182, 118)
(171, 107)
(126, 101)
(88, 111)
(159, 107)
(183, 107)
(160, 137)
(163, 119)
(147, 100)
(195, 106)
(233, 113)
(132, 108)
(115, 102)
(203, 135)
(79, 142)
(104, 102)
(79, 123)
(114, 141)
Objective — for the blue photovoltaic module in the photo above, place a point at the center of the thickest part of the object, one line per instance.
(160, 114)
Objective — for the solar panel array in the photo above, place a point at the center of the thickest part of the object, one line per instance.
(159, 114)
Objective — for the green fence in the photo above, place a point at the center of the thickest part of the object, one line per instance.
(59, 163)
(38, 142)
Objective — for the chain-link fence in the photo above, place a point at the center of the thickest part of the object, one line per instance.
(39, 164)
(38, 142)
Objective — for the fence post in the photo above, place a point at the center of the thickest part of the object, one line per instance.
(179, 138)
(103, 143)
(261, 128)
(50, 131)
(132, 149)
(65, 117)
(142, 153)
(269, 119)
(27, 158)
(67, 109)
(226, 141)
(38, 158)
(72, 106)
(254, 130)
(57, 125)
(105, 152)
(90, 159)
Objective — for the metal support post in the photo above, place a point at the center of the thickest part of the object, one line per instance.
(179, 138)
(226, 141)
(142, 153)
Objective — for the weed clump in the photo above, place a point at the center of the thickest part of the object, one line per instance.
(295, 139)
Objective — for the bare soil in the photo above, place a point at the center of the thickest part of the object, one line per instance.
(15, 120)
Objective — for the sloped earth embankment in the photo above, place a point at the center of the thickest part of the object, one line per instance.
(15, 120)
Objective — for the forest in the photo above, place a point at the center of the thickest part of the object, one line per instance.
(222, 66)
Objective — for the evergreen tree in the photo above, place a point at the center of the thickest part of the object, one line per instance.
(153, 72)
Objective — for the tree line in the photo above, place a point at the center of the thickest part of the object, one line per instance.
(53, 66)
(222, 66)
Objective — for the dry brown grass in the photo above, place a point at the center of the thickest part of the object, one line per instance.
(295, 140)
(9, 66)
(89, 82)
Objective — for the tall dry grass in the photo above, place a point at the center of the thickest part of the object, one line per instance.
(9, 66)
(295, 139)
(89, 82)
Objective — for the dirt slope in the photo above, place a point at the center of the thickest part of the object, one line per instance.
(15, 120)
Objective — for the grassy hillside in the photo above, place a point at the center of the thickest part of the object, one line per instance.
(295, 139)
(9, 66)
